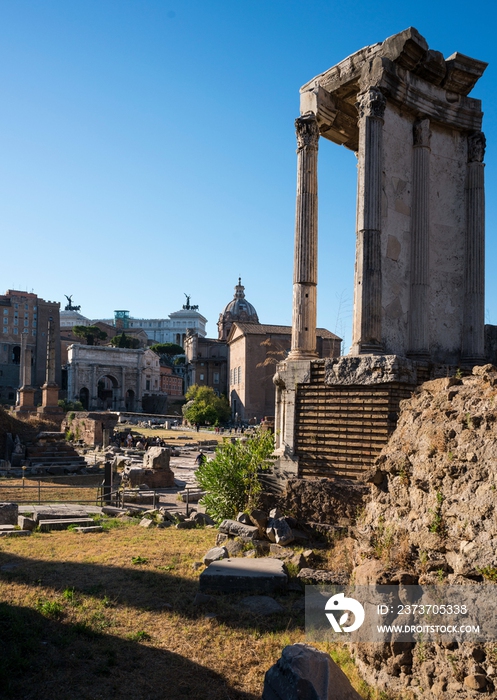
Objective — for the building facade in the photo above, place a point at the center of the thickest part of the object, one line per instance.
(163, 330)
(254, 351)
(26, 314)
(118, 379)
(206, 363)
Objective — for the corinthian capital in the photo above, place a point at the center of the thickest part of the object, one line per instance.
(371, 103)
(307, 132)
(476, 147)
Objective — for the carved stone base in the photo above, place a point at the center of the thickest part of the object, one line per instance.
(49, 400)
(369, 369)
(26, 400)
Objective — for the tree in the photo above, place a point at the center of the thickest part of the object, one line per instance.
(205, 406)
(92, 334)
(167, 349)
(231, 479)
(125, 341)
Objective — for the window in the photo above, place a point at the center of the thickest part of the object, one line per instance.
(147, 385)
(5, 312)
(5, 321)
(5, 329)
(16, 320)
(216, 377)
(201, 377)
(26, 322)
(26, 306)
(239, 375)
(16, 331)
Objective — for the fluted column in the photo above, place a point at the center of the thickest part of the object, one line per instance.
(306, 235)
(367, 308)
(473, 336)
(419, 340)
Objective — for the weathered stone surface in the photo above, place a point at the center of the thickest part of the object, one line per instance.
(475, 681)
(324, 501)
(202, 519)
(317, 576)
(261, 605)
(283, 534)
(236, 529)
(259, 519)
(89, 530)
(63, 524)
(215, 554)
(8, 513)
(156, 458)
(304, 673)
(146, 522)
(15, 533)
(242, 574)
(369, 369)
(243, 518)
(26, 523)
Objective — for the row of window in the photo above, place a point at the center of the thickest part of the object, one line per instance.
(16, 321)
(15, 330)
(235, 375)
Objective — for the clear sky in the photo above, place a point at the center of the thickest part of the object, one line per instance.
(147, 147)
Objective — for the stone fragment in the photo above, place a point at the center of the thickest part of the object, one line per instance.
(15, 533)
(299, 561)
(9, 513)
(316, 576)
(202, 519)
(215, 554)
(275, 513)
(236, 529)
(243, 518)
(476, 681)
(304, 673)
(221, 538)
(259, 519)
(276, 550)
(283, 531)
(186, 525)
(242, 574)
(156, 458)
(234, 547)
(146, 522)
(89, 530)
(197, 565)
(261, 605)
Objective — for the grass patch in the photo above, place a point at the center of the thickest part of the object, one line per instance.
(79, 619)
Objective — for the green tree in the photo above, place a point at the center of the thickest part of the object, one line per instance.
(231, 479)
(167, 349)
(205, 406)
(125, 341)
(92, 334)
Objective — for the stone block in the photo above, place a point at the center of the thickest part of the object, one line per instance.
(89, 530)
(157, 458)
(26, 523)
(258, 518)
(63, 524)
(236, 529)
(8, 513)
(304, 673)
(215, 554)
(15, 533)
(244, 574)
(146, 522)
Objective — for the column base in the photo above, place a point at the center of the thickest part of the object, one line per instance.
(26, 400)
(49, 400)
(297, 355)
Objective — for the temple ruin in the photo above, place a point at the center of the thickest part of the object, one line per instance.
(419, 271)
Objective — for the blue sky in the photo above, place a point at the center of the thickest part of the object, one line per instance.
(147, 147)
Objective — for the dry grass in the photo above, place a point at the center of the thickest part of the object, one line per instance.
(178, 437)
(72, 489)
(80, 620)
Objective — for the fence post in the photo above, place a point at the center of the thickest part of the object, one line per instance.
(155, 498)
(39, 492)
(187, 501)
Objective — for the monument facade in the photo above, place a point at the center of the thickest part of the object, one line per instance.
(404, 111)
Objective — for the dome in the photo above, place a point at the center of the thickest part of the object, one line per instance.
(238, 309)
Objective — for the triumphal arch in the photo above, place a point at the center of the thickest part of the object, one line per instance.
(419, 270)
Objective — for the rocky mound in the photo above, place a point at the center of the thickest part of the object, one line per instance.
(432, 515)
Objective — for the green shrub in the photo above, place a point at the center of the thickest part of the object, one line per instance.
(231, 479)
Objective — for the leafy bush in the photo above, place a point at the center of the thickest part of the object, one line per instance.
(231, 479)
(70, 406)
(205, 406)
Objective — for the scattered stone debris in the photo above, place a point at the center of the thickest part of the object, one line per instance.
(261, 605)
(242, 574)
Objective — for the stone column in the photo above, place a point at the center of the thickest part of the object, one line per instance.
(93, 389)
(306, 240)
(367, 308)
(25, 402)
(50, 390)
(419, 340)
(473, 337)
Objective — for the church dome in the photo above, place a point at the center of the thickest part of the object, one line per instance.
(238, 309)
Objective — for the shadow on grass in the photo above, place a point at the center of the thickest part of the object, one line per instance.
(147, 590)
(43, 659)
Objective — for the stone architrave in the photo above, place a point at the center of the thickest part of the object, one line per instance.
(473, 350)
(306, 240)
(367, 301)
